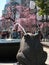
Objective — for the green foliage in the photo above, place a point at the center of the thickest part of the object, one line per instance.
(41, 12)
(40, 3)
(44, 5)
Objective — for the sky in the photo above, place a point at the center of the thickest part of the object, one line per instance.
(2, 4)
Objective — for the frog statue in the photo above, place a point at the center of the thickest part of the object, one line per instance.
(31, 51)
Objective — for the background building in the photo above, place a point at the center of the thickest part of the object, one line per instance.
(23, 2)
(18, 1)
(7, 1)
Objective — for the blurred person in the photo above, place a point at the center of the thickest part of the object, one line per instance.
(15, 34)
(40, 35)
(0, 34)
(4, 34)
(7, 34)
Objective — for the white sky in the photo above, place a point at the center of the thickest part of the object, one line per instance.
(2, 4)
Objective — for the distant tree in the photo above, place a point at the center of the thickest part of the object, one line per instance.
(44, 7)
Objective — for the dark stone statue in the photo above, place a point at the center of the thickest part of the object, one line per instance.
(31, 51)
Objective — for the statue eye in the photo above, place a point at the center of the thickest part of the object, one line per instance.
(27, 36)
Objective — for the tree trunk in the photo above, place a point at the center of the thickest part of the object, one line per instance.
(46, 18)
(42, 18)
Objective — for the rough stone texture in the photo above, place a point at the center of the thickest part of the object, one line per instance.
(31, 51)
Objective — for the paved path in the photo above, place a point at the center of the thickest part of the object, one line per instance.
(47, 50)
(45, 44)
(8, 64)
